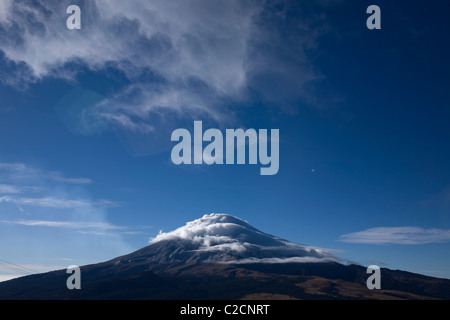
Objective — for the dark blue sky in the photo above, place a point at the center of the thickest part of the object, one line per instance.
(86, 118)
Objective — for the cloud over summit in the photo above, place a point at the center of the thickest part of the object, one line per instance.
(233, 240)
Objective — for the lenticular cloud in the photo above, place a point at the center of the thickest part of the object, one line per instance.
(227, 239)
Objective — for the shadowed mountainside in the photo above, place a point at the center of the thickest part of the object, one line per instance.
(223, 257)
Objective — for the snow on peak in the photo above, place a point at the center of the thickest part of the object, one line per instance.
(235, 241)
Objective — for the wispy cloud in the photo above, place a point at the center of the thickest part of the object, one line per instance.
(283, 260)
(441, 199)
(20, 170)
(12, 166)
(5, 6)
(9, 189)
(51, 202)
(10, 271)
(64, 224)
(398, 235)
(56, 176)
(126, 122)
(177, 65)
(28, 268)
(54, 208)
(141, 39)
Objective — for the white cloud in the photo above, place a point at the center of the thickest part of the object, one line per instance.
(398, 235)
(222, 233)
(283, 260)
(9, 271)
(20, 170)
(51, 202)
(64, 224)
(9, 189)
(209, 230)
(29, 268)
(191, 58)
(125, 121)
(56, 216)
(166, 38)
(12, 166)
(5, 8)
(56, 176)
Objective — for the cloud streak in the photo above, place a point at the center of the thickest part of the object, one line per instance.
(10, 271)
(40, 209)
(64, 224)
(283, 260)
(398, 235)
(9, 189)
(57, 177)
(51, 202)
(20, 170)
(12, 166)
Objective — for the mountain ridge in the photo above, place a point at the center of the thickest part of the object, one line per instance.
(223, 257)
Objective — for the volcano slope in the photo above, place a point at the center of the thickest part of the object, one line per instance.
(223, 257)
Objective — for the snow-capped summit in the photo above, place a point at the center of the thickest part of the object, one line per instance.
(227, 239)
(221, 257)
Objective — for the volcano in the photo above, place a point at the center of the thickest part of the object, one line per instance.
(220, 256)
(222, 238)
